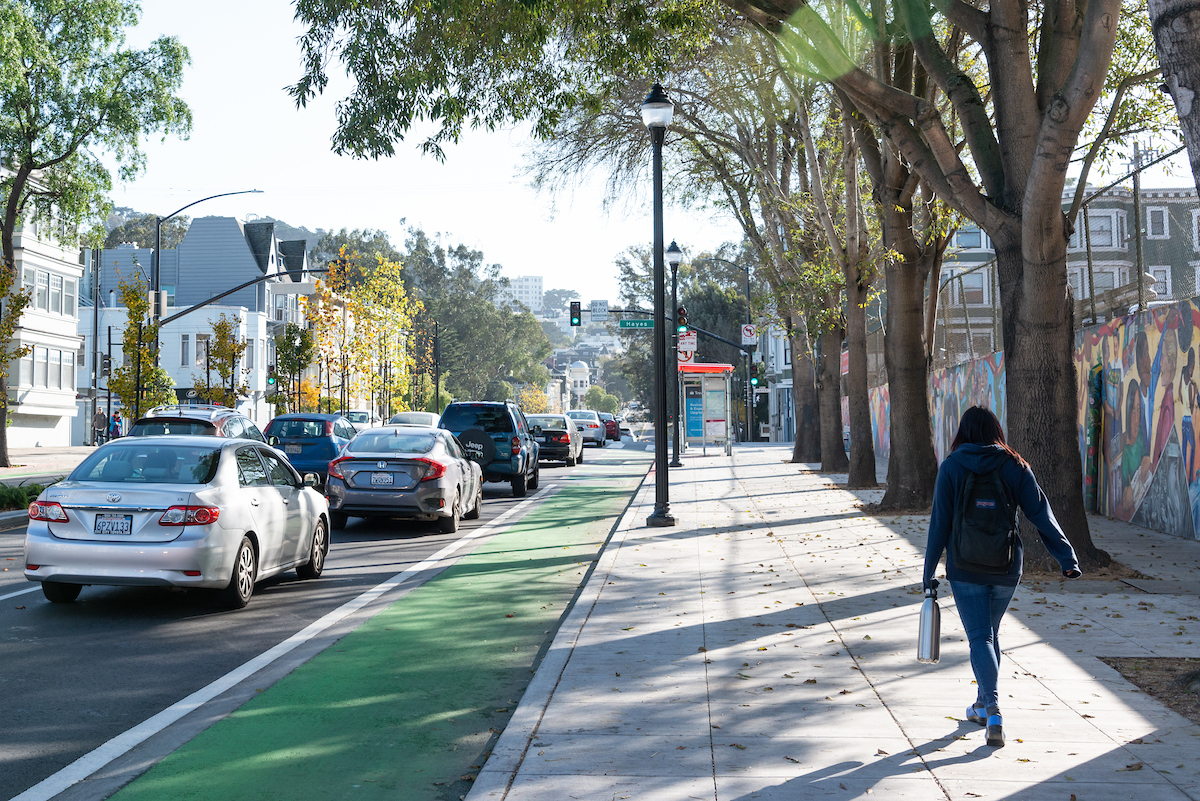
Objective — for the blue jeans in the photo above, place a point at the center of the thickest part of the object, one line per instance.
(981, 607)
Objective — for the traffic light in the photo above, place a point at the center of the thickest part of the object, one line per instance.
(271, 376)
(105, 366)
(681, 323)
(576, 313)
(754, 373)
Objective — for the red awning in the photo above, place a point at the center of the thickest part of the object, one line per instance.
(706, 368)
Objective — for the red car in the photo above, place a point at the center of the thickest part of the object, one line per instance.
(611, 429)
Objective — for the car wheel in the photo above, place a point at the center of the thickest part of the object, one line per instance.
(59, 593)
(241, 584)
(449, 525)
(602, 443)
(477, 509)
(338, 520)
(518, 486)
(579, 458)
(537, 477)
(570, 461)
(316, 555)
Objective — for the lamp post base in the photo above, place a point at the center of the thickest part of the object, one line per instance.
(660, 518)
(676, 463)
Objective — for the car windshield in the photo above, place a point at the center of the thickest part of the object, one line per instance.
(358, 417)
(155, 426)
(415, 418)
(492, 419)
(556, 423)
(383, 440)
(150, 463)
(582, 415)
(296, 429)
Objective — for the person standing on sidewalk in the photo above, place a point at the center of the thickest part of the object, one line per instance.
(982, 598)
(99, 427)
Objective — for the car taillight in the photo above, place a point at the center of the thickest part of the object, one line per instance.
(433, 470)
(335, 470)
(189, 516)
(516, 445)
(48, 510)
(329, 428)
(562, 437)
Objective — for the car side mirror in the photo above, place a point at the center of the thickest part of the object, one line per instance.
(272, 441)
(312, 480)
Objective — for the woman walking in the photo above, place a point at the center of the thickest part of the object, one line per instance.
(984, 587)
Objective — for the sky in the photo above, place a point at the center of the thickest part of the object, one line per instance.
(248, 134)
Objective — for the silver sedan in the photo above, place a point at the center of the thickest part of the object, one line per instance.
(407, 471)
(176, 511)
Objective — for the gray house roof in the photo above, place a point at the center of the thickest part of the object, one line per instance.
(295, 257)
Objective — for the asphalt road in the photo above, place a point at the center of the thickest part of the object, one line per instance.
(72, 677)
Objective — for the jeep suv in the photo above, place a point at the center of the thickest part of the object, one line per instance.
(213, 421)
(497, 437)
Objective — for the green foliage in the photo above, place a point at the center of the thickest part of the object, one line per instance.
(140, 231)
(559, 298)
(598, 400)
(295, 350)
(464, 64)
(366, 244)
(19, 496)
(137, 341)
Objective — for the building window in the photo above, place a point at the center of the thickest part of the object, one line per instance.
(969, 238)
(183, 351)
(170, 290)
(40, 357)
(1101, 227)
(42, 299)
(68, 370)
(1162, 281)
(54, 374)
(56, 294)
(1157, 224)
(971, 286)
(787, 352)
(201, 349)
(25, 376)
(69, 298)
(249, 354)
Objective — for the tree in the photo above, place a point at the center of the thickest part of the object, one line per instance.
(138, 382)
(559, 298)
(295, 351)
(1175, 24)
(598, 400)
(140, 231)
(69, 91)
(532, 400)
(367, 245)
(224, 357)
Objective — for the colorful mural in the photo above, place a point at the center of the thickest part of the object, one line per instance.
(881, 413)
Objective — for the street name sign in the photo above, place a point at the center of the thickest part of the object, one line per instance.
(636, 324)
(599, 311)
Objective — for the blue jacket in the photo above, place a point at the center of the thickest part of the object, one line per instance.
(1024, 487)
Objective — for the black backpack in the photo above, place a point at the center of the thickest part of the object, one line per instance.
(984, 535)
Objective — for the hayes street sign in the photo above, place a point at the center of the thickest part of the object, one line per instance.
(636, 324)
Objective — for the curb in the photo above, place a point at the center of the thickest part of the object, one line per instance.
(14, 516)
(498, 773)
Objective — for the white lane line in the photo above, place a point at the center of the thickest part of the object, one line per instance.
(93, 761)
(18, 592)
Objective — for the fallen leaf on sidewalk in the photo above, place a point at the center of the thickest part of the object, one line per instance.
(702, 650)
(510, 614)
(743, 676)
(880, 752)
(792, 759)
(844, 692)
(737, 745)
(810, 681)
(504, 709)
(1134, 766)
(631, 628)
(788, 676)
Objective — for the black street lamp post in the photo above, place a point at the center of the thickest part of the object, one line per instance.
(657, 110)
(674, 257)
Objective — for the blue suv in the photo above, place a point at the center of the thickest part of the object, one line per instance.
(497, 437)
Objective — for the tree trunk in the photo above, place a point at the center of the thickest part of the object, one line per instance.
(912, 464)
(1176, 26)
(1039, 340)
(829, 395)
(862, 444)
(807, 448)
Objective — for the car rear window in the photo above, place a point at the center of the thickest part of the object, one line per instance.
(392, 441)
(156, 426)
(555, 423)
(492, 419)
(358, 417)
(582, 416)
(296, 429)
(149, 463)
(415, 418)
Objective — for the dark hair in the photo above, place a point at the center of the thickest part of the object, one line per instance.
(980, 426)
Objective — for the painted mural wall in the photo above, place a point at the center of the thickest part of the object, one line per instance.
(1138, 408)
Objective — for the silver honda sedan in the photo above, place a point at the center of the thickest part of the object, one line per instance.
(177, 511)
(407, 471)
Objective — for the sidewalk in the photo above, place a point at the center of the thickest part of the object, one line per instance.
(42, 465)
(764, 647)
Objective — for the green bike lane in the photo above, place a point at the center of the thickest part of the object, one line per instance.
(409, 704)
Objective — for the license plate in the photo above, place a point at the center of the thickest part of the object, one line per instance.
(114, 524)
(381, 479)
(291, 448)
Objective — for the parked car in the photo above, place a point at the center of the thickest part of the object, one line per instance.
(559, 439)
(415, 419)
(364, 420)
(611, 431)
(310, 441)
(213, 421)
(591, 425)
(176, 511)
(415, 472)
(499, 440)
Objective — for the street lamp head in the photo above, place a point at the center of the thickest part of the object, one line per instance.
(674, 254)
(657, 108)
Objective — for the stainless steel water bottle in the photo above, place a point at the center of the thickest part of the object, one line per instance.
(929, 636)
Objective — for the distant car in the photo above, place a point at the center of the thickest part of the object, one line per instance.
(498, 438)
(611, 431)
(363, 420)
(310, 440)
(590, 424)
(205, 420)
(176, 511)
(414, 419)
(415, 472)
(559, 440)
(626, 429)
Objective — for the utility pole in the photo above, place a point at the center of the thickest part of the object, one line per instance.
(108, 382)
(437, 369)
(137, 368)
(95, 336)
(1137, 225)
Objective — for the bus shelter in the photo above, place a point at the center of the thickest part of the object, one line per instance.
(705, 391)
